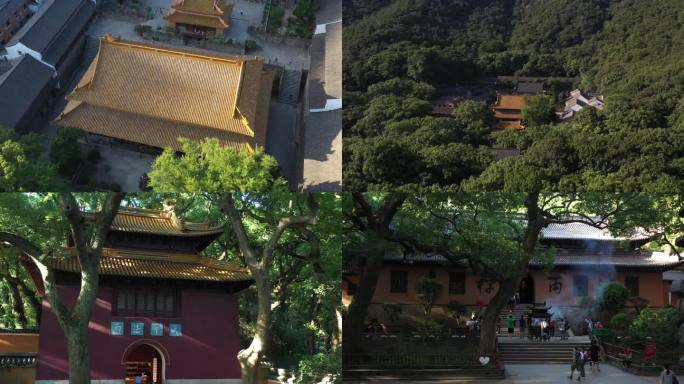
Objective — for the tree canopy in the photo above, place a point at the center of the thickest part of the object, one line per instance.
(630, 51)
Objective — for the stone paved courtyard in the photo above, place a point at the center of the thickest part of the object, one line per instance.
(545, 373)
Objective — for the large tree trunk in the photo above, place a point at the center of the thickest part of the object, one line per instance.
(20, 320)
(79, 358)
(250, 358)
(358, 309)
(506, 290)
(33, 302)
(337, 331)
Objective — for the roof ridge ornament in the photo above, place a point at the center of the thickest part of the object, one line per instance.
(169, 212)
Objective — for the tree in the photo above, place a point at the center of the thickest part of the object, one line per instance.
(258, 257)
(88, 238)
(497, 234)
(23, 167)
(208, 166)
(613, 297)
(428, 290)
(540, 110)
(66, 153)
(367, 219)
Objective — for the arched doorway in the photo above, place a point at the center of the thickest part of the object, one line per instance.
(526, 290)
(146, 361)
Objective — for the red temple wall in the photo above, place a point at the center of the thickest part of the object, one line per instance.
(206, 350)
(651, 285)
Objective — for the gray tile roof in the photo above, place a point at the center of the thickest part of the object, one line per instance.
(530, 87)
(9, 8)
(19, 88)
(54, 28)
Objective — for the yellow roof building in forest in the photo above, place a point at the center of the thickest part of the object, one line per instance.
(200, 15)
(150, 95)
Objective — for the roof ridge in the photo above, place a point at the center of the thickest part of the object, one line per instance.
(117, 41)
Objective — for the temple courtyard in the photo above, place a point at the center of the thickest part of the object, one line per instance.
(543, 373)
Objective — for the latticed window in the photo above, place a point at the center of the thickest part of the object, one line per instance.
(580, 285)
(144, 301)
(399, 282)
(632, 285)
(457, 282)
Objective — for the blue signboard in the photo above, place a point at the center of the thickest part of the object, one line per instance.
(137, 328)
(117, 328)
(157, 329)
(175, 330)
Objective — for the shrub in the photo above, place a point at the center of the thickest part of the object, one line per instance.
(428, 290)
(659, 326)
(392, 311)
(619, 323)
(250, 45)
(313, 369)
(65, 151)
(429, 327)
(455, 309)
(613, 297)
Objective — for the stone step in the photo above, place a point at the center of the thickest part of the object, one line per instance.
(454, 373)
(290, 84)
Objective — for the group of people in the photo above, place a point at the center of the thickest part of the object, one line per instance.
(536, 328)
(580, 357)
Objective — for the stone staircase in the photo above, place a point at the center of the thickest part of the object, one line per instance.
(536, 352)
(290, 85)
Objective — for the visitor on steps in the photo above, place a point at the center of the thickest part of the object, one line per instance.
(667, 376)
(576, 357)
(510, 324)
(498, 325)
(594, 353)
(552, 328)
(590, 326)
(522, 322)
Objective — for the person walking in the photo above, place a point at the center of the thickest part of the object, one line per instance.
(627, 362)
(523, 323)
(498, 325)
(552, 328)
(590, 326)
(510, 324)
(576, 357)
(594, 350)
(583, 361)
(667, 376)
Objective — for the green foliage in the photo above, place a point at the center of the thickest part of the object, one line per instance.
(275, 18)
(250, 45)
(429, 327)
(630, 51)
(455, 309)
(207, 166)
(658, 326)
(613, 297)
(619, 323)
(540, 110)
(66, 153)
(23, 167)
(392, 310)
(312, 369)
(428, 290)
(303, 19)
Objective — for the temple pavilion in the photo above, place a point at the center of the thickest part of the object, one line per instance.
(200, 16)
(163, 309)
(146, 94)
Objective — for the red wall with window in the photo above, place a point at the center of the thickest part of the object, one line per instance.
(207, 349)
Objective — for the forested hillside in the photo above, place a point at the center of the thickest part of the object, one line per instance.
(399, 55)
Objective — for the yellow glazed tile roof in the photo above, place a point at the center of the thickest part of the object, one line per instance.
(195, 95)
(206, 7)
(142, 129)
(158, 222)
(216, 22)
(152, 264)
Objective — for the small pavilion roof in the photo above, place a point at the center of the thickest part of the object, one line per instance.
(208, 13)
(160, 223)
(516, 102)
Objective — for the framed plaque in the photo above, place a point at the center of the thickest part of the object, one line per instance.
(116, 328)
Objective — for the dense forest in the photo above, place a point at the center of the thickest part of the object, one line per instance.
(398, 54)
